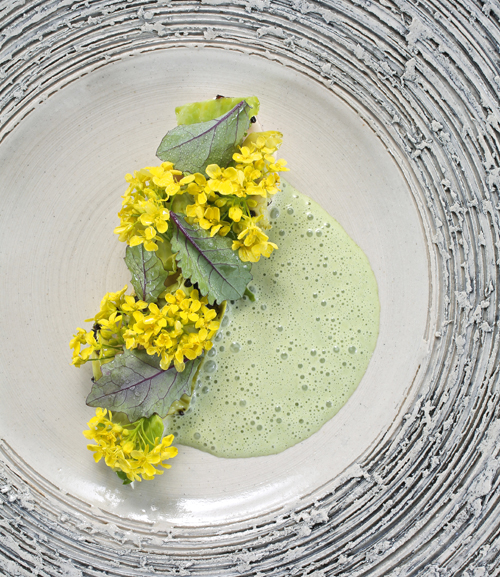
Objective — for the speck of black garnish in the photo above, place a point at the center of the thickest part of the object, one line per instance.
(180, 413)
(253, 120)
(219, 96)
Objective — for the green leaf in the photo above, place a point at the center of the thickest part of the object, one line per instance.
(210, 109)
(134, 384)
(193, 147)
(123, 477)
(250, 295)
(148, 274)
(153, 428)
(209, 261)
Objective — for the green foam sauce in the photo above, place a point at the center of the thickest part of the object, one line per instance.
(284, 365)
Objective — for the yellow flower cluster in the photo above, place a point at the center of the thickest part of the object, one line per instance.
(230, 200)
(130, 449)
(182, 328)
(144, 213)
(105, 337)
(225, 201)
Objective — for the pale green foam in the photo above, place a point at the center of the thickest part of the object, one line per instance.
(285, 364)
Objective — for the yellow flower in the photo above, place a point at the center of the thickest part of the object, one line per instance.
(197, 210)
(224, 180)
(235, 213)
(252, 243)
(163, 177)
(126, 229)
(111, 326)
(144, 459)
(197, 187)
(266, 142)
(78, 340)
(81, 356)
(110, 303)
(247, 155)
(279, 166)
(267, 186)
(131, 305)
(211, 221)
(155, 215)
(166, 451)
(145, 236)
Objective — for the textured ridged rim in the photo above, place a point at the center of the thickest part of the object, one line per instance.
(425, 76)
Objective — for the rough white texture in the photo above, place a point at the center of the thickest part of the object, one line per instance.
(423, 76)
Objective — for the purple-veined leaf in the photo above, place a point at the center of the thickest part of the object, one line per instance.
(148, 274)
(192, 147)
(209, 261)
(133, 383)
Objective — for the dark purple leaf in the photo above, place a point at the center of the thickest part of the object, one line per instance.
(133, 383)
(209, 261)
(193, 147)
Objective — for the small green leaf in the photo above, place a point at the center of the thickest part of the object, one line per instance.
(193, 147)
(248, 293)
(153, 428)
(123, 477)
(210, 109)
(209, 261)
(148, 274)
(134, 384)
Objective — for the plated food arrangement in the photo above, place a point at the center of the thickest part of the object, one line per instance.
(194, 226)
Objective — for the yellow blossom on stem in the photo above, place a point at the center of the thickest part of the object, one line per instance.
(224, 180)
(110, 329)
(131, 305)
(110, 303)
(164, 177)
(82, 337)
(247, 155)
(252, 243)
(211, 220)
(235, 213)
(133, 450)
(146, 237)
(278, 166)
(155, 215)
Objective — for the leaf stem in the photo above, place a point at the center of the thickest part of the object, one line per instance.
(248, 293)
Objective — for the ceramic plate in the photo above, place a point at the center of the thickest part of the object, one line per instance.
(390, 116)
